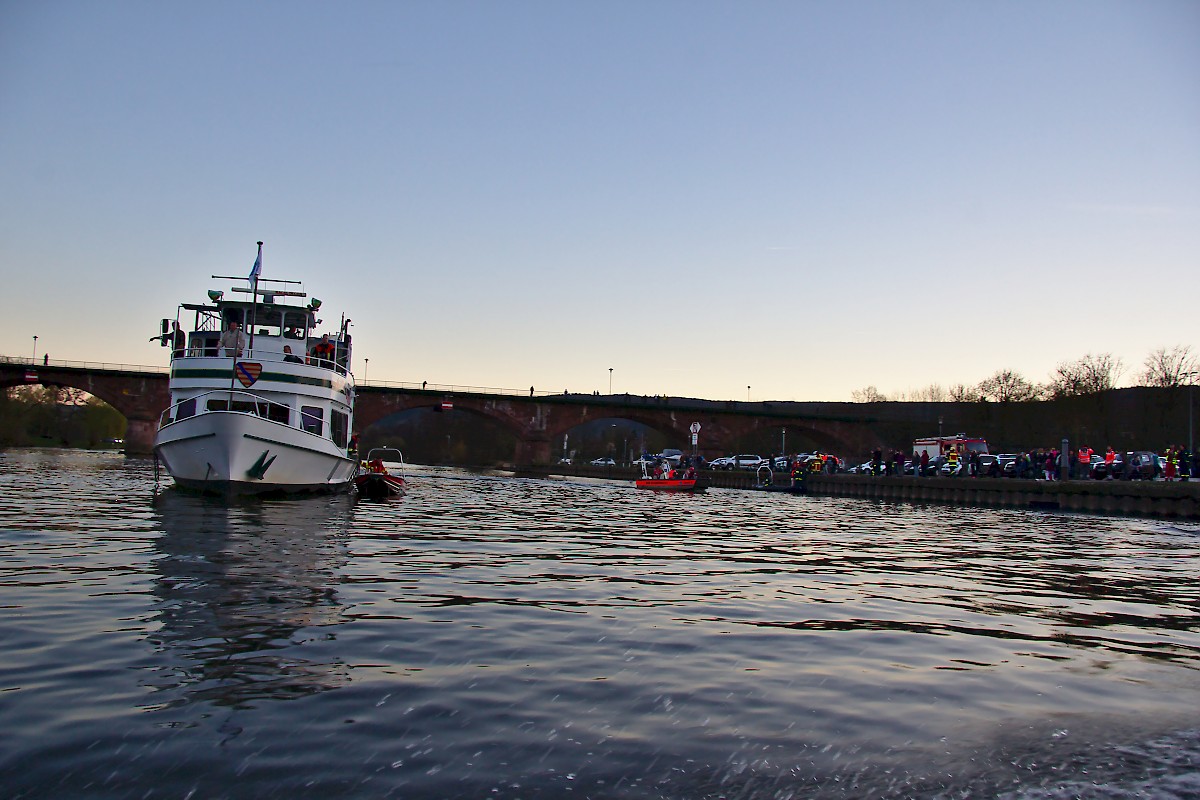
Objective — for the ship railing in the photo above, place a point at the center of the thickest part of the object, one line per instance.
(333, 365)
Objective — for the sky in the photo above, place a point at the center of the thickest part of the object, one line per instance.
(804, 198)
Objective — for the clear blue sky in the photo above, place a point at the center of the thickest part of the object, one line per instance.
(802, 197)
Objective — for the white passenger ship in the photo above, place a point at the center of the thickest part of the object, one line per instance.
(277, 415)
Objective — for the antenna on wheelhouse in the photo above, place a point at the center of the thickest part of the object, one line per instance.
(255, 271)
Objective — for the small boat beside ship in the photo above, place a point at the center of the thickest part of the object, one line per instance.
(795, 484)
(261, 400)
(667, 478)
(375, 480)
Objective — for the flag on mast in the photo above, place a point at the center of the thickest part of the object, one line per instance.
(256, 270)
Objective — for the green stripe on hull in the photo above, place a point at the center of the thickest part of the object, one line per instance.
(274, 377)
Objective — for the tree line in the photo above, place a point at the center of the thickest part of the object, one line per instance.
(57, 416)
(1164, 368)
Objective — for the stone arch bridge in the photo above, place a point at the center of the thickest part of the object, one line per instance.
(140, 394)
(541, 421)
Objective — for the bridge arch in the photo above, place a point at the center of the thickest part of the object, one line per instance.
(138, 395)
(523, 420)
(427, 433)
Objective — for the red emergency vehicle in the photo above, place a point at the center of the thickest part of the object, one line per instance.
(941, 445)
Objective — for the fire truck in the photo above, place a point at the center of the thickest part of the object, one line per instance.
(941, 445)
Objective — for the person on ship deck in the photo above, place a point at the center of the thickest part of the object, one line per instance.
(322, 352)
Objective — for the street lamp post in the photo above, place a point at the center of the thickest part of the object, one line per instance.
(1191, 376)
(34, 348)
(610, 369)
(747, 394)
(366, 365)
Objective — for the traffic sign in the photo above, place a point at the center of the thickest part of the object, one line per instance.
(695, 427)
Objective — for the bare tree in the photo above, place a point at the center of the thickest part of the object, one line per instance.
(1174, 367)
(961, 393)
(868, 394)
(1089, 375)
(1007, 386)
(933, 393)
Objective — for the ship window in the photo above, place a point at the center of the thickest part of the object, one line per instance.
(337, 427)
(279, 413)
(311, 419)
(266, 322)
(186, 409)
(295, 325)
(242, 406)
(203, 345)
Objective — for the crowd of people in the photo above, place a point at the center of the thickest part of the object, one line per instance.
(685, 470)
(1177, 463)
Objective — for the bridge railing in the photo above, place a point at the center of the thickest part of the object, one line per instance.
(58, 362)
(439, 388)
(447, 388)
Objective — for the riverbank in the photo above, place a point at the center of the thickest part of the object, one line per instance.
(1158, 499)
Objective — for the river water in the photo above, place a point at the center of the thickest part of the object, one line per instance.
(493, 637)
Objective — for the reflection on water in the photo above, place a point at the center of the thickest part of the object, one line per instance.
(509, 638)
(237, 583)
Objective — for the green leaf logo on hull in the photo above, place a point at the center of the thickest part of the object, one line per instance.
(260, 467)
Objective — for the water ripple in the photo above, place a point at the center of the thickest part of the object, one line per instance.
(487, 635)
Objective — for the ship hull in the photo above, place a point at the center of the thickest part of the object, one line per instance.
(233, 453)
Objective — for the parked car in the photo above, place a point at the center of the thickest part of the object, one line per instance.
(746, 461)
(1101, 470)
(603, 462)
(1144, 465)
(946, 470)
(738, 462)
(989, 466)
(934, 467)
(802, 460)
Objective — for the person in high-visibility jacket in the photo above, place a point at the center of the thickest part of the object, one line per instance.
(322, 352)
(799, 474)
(952, 460)
(1083, 463)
